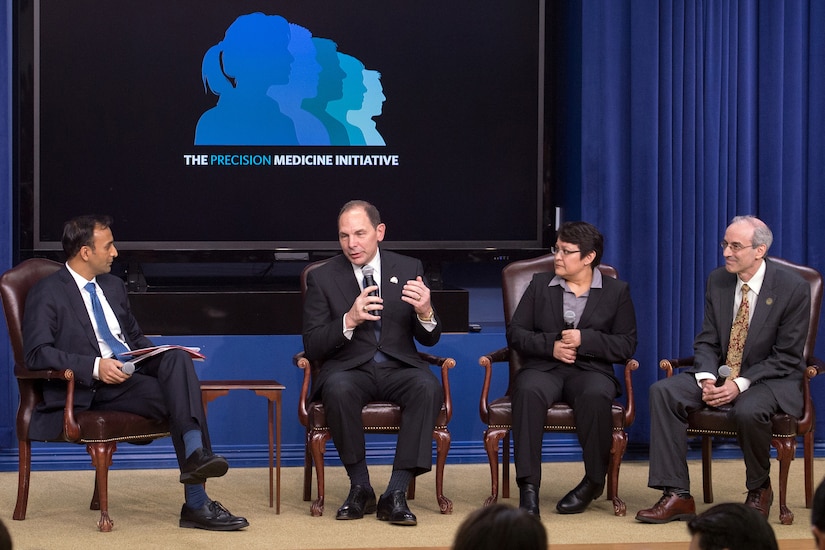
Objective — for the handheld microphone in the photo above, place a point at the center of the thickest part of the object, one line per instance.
(569, 319)
(724, 372)
(128, 367)
(368, 272)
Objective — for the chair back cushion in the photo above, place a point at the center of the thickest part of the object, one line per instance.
(14, 288)
(305, 272)
(814, 279)
(515, 278)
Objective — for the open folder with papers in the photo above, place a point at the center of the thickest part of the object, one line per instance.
(135, 356)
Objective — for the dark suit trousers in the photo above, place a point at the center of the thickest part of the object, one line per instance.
(165, 386)
(416, 390)
(590, 394)
(670, 401)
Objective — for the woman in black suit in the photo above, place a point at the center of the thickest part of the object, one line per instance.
(570, 327)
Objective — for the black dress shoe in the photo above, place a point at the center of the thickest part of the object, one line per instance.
(529, 498)
(360, 501)
(211, 516)
(201, 465)
(393, 507)
(577, 500)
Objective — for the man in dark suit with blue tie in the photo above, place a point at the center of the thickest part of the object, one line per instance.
(79, 318)
(367, 345)
(767, 369)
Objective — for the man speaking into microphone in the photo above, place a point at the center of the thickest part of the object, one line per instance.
(570, 327)
(363, 313)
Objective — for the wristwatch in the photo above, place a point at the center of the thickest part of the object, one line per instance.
(428, 318)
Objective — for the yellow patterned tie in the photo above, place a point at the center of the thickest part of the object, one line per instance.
(738, 334)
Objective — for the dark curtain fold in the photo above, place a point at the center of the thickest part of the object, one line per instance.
(693, 112)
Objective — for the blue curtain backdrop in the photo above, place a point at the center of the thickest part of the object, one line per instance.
(693, 112)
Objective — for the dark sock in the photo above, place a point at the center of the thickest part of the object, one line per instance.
(192, 441)
(358, 473)
(400, 480)
(195, 495)
(683, 493)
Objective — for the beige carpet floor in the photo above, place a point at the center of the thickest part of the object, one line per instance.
(145, 505)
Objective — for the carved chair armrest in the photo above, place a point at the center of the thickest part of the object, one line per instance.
(70, 425)
(630, 406)
(671, 365)
(446, 363)
(487, 361)
(805, 422)
(817, 365)
(302, 362)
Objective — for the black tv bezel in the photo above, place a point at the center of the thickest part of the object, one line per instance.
(26, 241)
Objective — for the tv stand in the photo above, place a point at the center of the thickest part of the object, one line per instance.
(254, 310)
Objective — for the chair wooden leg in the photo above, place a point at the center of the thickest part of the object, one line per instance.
(617, 451)
(505, 468)
(707, 478)
(307, 470)
(808, 461)
(443, 439)
(317, 445)
(785, 451)
(23, 478)
(95, 504)
(101, 454)
(491, 438)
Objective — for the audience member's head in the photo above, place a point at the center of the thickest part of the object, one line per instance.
(5, 537)
(818, 516)
(500, 527)
(731, 526)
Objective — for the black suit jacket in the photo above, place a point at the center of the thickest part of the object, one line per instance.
(776, 335)
(607, 325)
(58, 334)
(331, 291)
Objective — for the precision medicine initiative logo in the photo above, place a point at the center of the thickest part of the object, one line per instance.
(278, 85)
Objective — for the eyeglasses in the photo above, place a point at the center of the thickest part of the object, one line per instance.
(736, 247)
(555, 250)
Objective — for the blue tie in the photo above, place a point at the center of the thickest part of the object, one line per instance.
(103, 326)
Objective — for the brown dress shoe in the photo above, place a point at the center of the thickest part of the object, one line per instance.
(669, 508)
(760, 500)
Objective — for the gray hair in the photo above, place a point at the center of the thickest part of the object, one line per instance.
(761, 232)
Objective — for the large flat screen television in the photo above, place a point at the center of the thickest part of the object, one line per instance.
(232, 126)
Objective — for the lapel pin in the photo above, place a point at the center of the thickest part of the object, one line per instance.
(394, 280)
(769, 301)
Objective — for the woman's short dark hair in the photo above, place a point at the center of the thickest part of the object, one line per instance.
(585, 236)
(734, 526)
(80, 231)
(500, 527)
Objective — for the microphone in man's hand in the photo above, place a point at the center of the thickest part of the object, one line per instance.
(569, 319)
(724, 372)
(369, 280)
(128, 368)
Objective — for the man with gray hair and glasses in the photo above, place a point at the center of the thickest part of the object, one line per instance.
(755, 324)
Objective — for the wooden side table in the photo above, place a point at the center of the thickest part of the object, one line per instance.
(271, 389)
